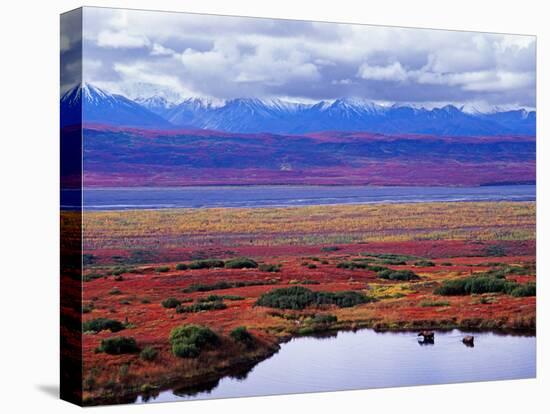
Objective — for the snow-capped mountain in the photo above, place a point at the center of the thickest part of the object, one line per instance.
(253, 115)
(157, 104)
(89, 104)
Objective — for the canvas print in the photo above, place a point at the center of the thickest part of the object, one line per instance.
(256, 206)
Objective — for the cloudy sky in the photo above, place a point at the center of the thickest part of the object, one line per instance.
(177, 55)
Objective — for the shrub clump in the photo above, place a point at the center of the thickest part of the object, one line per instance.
(241, 263)
(118, 345)
(299, 297)
(527, 289)
(102, 324)
(206, 264)
(163, 269)
(199, 287)
(433, 303)
(242, 335)
(182, 266)
(390, 274)
(484, 284)
(324, 319)
(270, 267)
(188, 341)
(424, 263)
(201, 306)
(148, 354)
(170, 303)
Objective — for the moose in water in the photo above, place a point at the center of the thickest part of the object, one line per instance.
(468, 340)
(427, 337)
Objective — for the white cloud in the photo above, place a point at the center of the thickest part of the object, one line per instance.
(392, 72)
(228, 57)
(121, 39)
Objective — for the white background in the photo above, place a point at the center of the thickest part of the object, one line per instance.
(29, 291)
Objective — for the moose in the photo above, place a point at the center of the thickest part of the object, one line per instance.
(427, 337)
(468, 340)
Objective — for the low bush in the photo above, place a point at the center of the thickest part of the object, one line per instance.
(433, 303)
(324, 319)
(298, 297)
(162, 269)
(188, 341)
(102, 324)
(232, 297)
(312, 266)
(390, 274)
(199, 287)
(495, 251)
(242, 335)
(182, 266)
(484, 284)
(148, 354)
(394, 262)
(115, 291)
(270, 267)
(118, 345)
(424, 263)
(206, 264)
(328, 249)
(527, 289)
(170, 303)
(391, 256)
(201, 306)
(241, 263)
(91, 276)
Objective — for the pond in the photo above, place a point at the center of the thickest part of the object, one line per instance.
(368, 359)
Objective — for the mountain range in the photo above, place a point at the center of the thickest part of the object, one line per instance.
(252, 115)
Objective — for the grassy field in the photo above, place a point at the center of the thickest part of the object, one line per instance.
(309, 225)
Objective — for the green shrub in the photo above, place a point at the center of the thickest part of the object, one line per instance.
(102, 324)
(433, 303)
(312, 266)
(188, 341)
(91, 276)
(115, 291)
(233, 297)
(324, 319)
(403, 275)
(299, 297)
(446, 264)
(241, 263)
(527, 289)
(206, 264)
(270, 267)
(148, 353)
(181, 266)
(330, 249)
(484, 284)
(495, 251)
(199, 287)
(391, 256)
(241, 334)
(424, 263)
(394, 262)
(118, 345)
(201, 306)
(170, 303)
(87, 308)
(163, 269)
